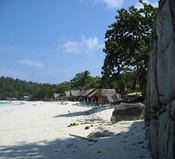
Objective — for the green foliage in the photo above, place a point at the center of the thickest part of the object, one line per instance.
(62, 87)
(16, 88)
(94, 82)
(44, 92)
(80, 80)
(84, 81)
(127, 44)
(11, 88)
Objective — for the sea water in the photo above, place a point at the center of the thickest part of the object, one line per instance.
(6, 103)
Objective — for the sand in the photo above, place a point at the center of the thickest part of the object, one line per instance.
(41, 130)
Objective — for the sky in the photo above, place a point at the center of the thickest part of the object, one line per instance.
(50, 41)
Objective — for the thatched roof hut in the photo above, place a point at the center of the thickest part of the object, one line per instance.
(72, 94)
(95, 96)
(67, 94)
(105, 96)
(83, 95)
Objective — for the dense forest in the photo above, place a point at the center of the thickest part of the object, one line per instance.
(15, 88)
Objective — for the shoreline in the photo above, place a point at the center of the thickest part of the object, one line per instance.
(41, 130)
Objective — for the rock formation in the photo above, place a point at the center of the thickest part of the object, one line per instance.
(160, 102)
(127, 111)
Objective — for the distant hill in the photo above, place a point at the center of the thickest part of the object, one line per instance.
(15, 88)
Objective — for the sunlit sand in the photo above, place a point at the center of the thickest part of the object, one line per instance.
(47, 130)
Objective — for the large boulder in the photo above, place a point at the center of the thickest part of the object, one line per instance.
(127, 111)
(160, 101)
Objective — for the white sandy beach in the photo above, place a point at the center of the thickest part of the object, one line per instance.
(40, 130)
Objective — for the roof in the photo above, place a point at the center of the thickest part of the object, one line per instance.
(87, 92)
(111, 94)
(67, 93)
(71, 93)
(56, 95)
(80, 93)
(93, 93)
(106, 92)
(74, 93)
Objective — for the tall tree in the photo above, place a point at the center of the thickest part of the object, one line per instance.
(80, 80)
(84, 80)
(127, 43)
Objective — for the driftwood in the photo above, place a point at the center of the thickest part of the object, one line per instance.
(85, 138)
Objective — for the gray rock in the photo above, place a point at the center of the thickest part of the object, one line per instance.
(127, 111)
(160, 101)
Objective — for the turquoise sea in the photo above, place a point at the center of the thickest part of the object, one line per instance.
(6, 103)
(2, 102)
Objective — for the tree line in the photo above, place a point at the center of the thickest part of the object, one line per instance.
(15, 88)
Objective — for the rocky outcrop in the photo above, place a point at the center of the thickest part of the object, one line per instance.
(160, 101)
(127, 111)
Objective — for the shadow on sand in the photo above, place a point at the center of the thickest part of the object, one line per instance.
(93, 110)
(123, 145)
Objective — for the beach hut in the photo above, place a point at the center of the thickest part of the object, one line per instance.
(84, 95)
(74, 95)
(71, 95)
(104, 96)
(66, 95)
(56, 96)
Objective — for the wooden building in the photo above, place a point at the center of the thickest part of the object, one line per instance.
(104, 96)
(93, 96)
(71, 95)
(83, 95)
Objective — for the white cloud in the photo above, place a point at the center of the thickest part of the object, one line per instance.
(139, 5)
(71, 47)
(84, 45)
(111, 3)
(32, 63)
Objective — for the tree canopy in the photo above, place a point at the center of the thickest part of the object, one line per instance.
(127, 43)
(84, 80)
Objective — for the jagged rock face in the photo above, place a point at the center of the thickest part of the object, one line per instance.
(127, 111)
(160, 101)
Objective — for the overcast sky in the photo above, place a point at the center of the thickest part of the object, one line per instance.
(50, 41)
